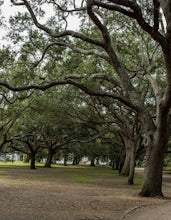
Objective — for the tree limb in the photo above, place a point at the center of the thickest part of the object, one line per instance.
(136, 13)
(74, 48)
(17, 3)
(70, 81)
(156, 14)
(60, 34)
(115, 8)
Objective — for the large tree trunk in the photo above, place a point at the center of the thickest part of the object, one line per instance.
(153, 173)
(155, 153)
(128, 149)
(126, 166)
(155, 158)
(49, 158)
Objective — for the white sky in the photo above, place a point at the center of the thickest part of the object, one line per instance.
(8, 10)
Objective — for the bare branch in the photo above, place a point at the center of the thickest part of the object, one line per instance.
(11, 122)
(121, 2)
(17, 3)
(156, 14)
(60, 34)
(74, 48)
(17, 98)
(69, 81)
(71, 10)
(98, 23)
(136, 13)
(155, 87)
(166, 5)
(156, 35)
(115, 8)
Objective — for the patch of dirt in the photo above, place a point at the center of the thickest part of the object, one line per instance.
(49, 194)
(159, 211)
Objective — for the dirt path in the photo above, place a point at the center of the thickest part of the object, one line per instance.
(153, 211)
(54, 194)
(160, 211)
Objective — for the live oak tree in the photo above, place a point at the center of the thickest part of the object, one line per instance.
(48, 126)
(129, 130)
(12, 106)
(42, 128)
(101, 15)
(26, 134)
(64, 130)
(92, 117)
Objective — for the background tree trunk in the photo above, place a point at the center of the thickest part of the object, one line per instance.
(129, 144)
(126, 165)
(32, 161)
(92, 163)
(49, 159)
(132, 166)
(65, 159)
(122, 160)
(26, 158)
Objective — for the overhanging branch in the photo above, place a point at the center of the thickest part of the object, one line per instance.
(79, 85)
(75, 49)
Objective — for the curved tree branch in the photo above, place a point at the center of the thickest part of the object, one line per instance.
(17, 3)
(59, 34)
(74, 48)
(79, 85)
(137, 14)
(115, 8)
(98, 23)
(156, 14)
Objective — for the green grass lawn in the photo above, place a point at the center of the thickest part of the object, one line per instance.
(93, 191)
(18, 163)
(81, 174)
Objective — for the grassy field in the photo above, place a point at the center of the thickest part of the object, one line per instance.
(78, 174)
(66, 193)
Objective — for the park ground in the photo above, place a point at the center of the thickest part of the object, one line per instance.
(76, 193)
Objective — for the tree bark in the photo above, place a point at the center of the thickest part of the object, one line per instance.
(152, 186)
(126, 166)
(32, 161)
(122, 160)
(132, 166)
(128, 150)
(155, 158)
(49, 158)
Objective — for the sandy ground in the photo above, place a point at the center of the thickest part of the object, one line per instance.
(151, 212)
(158, 209)
(46, 195)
